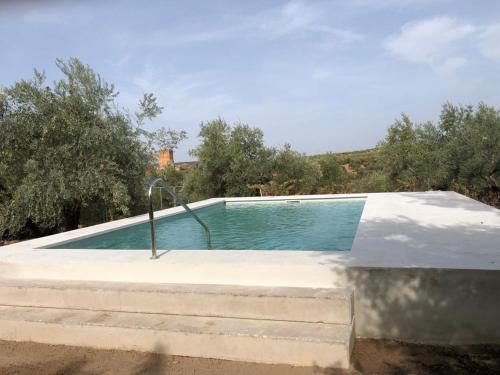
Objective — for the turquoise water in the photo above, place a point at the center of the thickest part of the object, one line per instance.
(280, 225)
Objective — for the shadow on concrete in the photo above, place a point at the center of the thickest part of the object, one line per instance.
(449, 199)
(431, 304)
(442, 241)
(163, 252)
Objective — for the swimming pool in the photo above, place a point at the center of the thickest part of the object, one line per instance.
(316, 225)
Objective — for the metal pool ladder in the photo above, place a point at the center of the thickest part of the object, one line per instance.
(183, 204)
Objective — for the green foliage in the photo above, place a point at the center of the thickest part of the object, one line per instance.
(67, 154)
(249, 161)
(412, 154)
(462, 153)
(351, 172)
(231, 161)
(472, 153)
(161, 138)
(293, 173)
(331, 171)
(172, 176)
(459, 153)
(175, 179)
(207, 179)
(148, 108)
(370, 182)
(363, 160)
(399, 151)
(167, 138)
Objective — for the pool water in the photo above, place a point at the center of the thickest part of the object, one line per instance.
(273, 225)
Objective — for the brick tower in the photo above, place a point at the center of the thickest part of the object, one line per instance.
(165, 158)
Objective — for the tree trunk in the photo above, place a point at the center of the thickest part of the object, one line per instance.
(71, 216)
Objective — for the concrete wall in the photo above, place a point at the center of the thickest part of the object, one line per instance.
(442, 306)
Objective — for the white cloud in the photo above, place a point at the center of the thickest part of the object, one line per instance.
(449, 66)
(188, 98)
(399, 4)
(342, 34)
(292, 18)
(490, 42)
(44, 14)
(299, 17)
(172, 38)
(430, 41)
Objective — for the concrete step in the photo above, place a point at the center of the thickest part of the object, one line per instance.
(327, 305)
(263, 341)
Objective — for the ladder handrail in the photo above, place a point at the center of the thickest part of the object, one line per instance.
(167, 187)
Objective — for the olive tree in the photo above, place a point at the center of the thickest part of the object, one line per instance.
(461, 152)
(67, 152)
(232, 160)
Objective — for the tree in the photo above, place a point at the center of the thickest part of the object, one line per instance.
(461, 153)
(472, 149)
(67, 152)
(293, 173)
(399, 151)
(231, 160)
(250, 161)
(161, 138)
(207, 179)
(412, 156)
(331, 171)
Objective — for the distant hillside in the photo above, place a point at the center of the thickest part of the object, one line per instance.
(356, 162)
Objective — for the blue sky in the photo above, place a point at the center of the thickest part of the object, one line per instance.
(321, 75)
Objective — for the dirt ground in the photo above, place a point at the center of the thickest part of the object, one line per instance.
(369, 357)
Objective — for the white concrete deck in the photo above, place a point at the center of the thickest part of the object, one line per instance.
(424, 266)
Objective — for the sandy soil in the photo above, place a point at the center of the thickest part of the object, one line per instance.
(370, 357)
